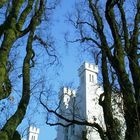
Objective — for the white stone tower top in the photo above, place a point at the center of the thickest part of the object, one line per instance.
(65, 95)
(89, 67)
(33, 133)
(68, 91)
(33, 130)
(88, 74)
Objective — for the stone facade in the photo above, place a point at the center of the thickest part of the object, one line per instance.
(81, 105)
(33, 133)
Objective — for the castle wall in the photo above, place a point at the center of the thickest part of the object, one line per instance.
(83, 105)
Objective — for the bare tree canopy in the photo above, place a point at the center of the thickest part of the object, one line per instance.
(19, 21)
(113, 29)
(110, 29)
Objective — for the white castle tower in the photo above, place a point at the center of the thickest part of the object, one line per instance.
(33, 133)
(82, 105)
(89, 93)
(66, 97)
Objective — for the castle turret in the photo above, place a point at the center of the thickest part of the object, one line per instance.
(88, 90)
(89, 93)
(65, 95)
(88, 73)
(81, 105)
(33, 133)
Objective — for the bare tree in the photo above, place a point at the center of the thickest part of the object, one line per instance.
(113, 29)
(20, 20)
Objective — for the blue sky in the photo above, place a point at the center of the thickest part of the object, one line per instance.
(69, 57)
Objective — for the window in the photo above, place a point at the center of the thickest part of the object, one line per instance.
(67, 99)
(33, 138)
(91, 78)
(72, 129)
(66, 133)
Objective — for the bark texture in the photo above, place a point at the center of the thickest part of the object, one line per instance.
(118, 55)
(12, 30)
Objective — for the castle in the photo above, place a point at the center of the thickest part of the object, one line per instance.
(32, 133)
(81, 105)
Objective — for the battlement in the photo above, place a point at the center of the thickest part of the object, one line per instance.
(89, 67)
(67, 91)
(33, 130)
(66, 94)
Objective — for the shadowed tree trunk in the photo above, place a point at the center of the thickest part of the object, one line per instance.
(128, 46)
(11, 30)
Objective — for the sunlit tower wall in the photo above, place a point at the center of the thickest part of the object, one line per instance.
(33, 133)
(66, 95)
(86, 106)
(88, 98)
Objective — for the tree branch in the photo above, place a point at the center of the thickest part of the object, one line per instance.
(100, 28)
(2, 2)
(110, 17)
(73, 121)
(13, 122)
(124, 24)
(24, 15)
(37, 16)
